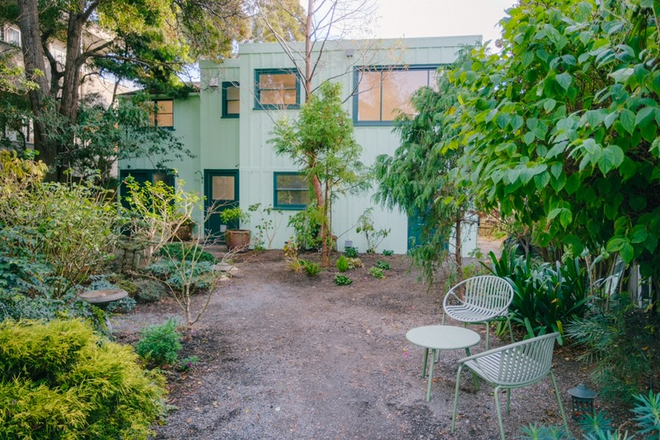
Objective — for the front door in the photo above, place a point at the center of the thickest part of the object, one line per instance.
(221, 191)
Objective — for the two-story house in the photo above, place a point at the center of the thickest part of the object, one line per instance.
(228, 123)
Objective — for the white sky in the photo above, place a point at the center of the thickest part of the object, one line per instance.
(435, 18)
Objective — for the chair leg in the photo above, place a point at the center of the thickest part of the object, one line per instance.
(561, 407)
(443, 319)
(458, 382)
(499, 411)
(508, 401)
(487, 334)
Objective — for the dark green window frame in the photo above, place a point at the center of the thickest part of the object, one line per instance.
(257, 90)
(226, 85)
(155, 115)
(356, 80)
(276, 190)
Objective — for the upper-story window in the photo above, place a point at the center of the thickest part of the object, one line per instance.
(276, 88)
(384, 92)
(230, 100)
(164, 113)
(12, 35)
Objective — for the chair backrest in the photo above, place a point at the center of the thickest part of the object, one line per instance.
(524, 362)
(488, 292)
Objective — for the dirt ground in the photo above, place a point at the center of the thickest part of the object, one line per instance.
(285, 356)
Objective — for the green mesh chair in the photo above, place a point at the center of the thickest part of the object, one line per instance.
(512, 366)
(479, 300)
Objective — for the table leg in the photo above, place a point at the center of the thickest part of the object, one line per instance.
(426, 358)
(474, 375)
(428, 387)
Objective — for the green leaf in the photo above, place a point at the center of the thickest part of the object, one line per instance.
(574, 242)
(627, 252)
(554, 213)
(615, 244)
(611, 157)
(542, 180)
(529, 137)
(644, 116)
(516, 122)
(564, 80)
(565, 217)
(622, 75)
(549, 105)
(639, 234)
(627, 119)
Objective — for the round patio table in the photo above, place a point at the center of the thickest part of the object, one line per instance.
(441, 337)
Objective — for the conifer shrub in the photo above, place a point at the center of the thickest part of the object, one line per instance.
(60, 380)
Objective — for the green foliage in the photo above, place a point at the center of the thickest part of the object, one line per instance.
(383, 265)
(354, 263)
(595, 425)
(366, 226)
(342, 264)
(311, 269)
(376, 272)
(183, 274)
(545, 296)
(306, 226)
(185, 251)
(187, 363)
(342, 280)
(351, 252)
(149, 291)
(388, 253)
(560, 128)
(56, 232)
(647, 414)
(160, 344)
(233, 217)
(60, 380)
(537, 431)
(423, 178)
(623, 348)
(321, 143)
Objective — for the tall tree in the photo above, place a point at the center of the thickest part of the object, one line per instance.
(422, 178)
(561, 128)
(144, 41)
(321, 142)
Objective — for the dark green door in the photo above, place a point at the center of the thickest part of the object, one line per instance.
(221, 191)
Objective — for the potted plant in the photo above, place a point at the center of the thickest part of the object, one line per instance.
(236, 238)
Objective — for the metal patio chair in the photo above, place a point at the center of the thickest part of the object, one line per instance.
(512, 366)
(480, 300)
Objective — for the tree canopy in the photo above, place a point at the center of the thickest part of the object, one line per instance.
(561, 128)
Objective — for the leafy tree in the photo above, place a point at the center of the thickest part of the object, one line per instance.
(321, 143)
(421, 178)
(561, 128)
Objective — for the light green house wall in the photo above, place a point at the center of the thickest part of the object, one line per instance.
(242, 143)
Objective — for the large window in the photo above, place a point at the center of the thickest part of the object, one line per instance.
(164, 113)
(276, 88)
(384, 93)
(291, 191)
(230, 100)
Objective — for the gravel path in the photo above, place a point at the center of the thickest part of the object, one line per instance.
(284, 356)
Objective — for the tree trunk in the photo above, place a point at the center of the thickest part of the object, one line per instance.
(71, 80)
(35, 69)
(308, 48)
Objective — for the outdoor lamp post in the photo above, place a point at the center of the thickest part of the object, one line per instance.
(583, 401)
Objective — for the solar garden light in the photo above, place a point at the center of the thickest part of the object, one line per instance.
(583, 401)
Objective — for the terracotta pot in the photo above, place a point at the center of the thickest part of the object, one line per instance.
(237, 239)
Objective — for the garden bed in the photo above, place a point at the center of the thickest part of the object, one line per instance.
(283, 355)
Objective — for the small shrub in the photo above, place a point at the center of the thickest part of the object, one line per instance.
(180, 251)
(383, 265)
(149, 291)
(296, 265)
(342, 264)
(376, 272)
(342, 280)
(187, 363)
(61, 380)
(351, 252)
(311, 269)
(124, 305)
(160, 344)
(647, 414)
(388, 253)
(354, 263)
